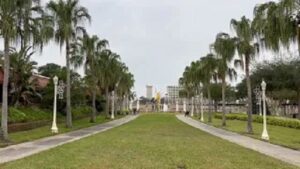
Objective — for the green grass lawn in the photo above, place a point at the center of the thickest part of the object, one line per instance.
(287, 137)
(155, 141)
(29, 135)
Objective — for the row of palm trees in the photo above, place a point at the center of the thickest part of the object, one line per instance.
(275, 27)
(26, 23)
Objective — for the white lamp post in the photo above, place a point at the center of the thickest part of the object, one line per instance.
(201, 106)
(54, 128)
(177, 106)
(184, 105)
(138, 104)
(264, 135)
(192, 111)
(130, 105)
(113, 100)
(113, 104)
(165, 106)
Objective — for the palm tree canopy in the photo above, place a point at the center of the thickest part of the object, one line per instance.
(242, 29)
(276, 23)
(68, 16)
(224, 47)
(246, 47)
(25, 21)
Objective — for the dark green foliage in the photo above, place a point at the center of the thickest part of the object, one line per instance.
(31, 114)
(272, 120)
(123, 112)
(216, 92)
(81, 111)
(50, 70)
(282, 78)
(28, 114)
(78, 95)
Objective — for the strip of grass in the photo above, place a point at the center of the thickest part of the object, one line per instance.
(284, 136)
(41, 132)
(152, 141)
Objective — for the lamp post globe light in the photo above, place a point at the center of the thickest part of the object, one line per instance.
(264, 135)
(54, 128)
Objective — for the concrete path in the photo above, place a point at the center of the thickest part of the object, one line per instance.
(278, 152)
(22, 150)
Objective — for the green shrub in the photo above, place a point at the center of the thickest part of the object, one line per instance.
(22, 114)
(81, 111)
(272, 120)
(123, 112)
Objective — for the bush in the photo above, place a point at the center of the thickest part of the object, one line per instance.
(272, 120)
(22, 114)
(81, 111)
(123, 112)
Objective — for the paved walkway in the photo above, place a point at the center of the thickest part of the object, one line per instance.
(22, 150)
(278, 152)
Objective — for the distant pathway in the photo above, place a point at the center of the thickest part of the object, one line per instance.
(22, 150)
(275, 151)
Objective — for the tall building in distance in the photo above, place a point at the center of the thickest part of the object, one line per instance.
(149, 92)
(173, 91)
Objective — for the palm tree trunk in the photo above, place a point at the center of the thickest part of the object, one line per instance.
(209, 104)
(223, 102)
(69, 114)
(93, 116)
(216, 105)
(124, 103)
(298, 32)
(299, 56)
(249, 92)
(107, 102)
(298, 105)
(4, 117)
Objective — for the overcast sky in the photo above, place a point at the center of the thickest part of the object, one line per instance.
(157, 38)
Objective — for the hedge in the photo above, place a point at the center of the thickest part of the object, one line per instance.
(81, 111)
(33, 114)
(272, 120)
(22, 114)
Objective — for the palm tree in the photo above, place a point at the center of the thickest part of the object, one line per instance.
(277, 24)
(125, 84)
(21, 70)
(208, 69)
(107, 78)
(117, 69)
(247, 50)
(191, 80)
(224, 47)
(9, 21)
(89, 49)
(68, 15)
